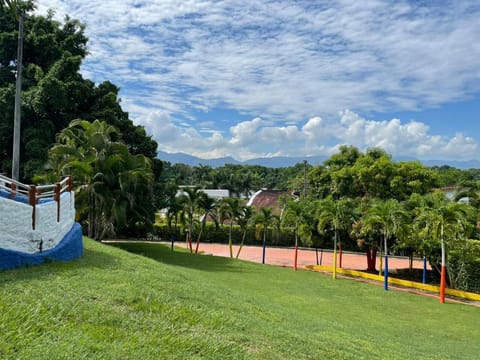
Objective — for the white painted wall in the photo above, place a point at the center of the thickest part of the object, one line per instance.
(16, 231)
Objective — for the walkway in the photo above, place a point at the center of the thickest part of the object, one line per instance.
(285, 256)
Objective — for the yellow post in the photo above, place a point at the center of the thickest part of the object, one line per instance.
(335, 263)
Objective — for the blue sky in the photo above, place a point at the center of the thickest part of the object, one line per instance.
(249, 78)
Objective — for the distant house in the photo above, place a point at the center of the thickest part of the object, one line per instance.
(451, 191)
(267, 199)
(216, 194)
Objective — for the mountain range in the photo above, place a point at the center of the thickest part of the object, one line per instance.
(285, 161)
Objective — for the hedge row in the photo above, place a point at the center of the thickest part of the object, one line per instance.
(220, 234)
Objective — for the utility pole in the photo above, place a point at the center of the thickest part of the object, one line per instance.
(304, 178)
(18, 107)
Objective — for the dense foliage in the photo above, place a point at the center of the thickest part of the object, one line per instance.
(53, 90)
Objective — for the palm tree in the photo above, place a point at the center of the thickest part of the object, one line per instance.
(387, 217)
(338, 216)
(207, 205)
(446, 220)
(294, 214)
(265, 218)
(189, 200)
(243, 220)
(112, 181)
(232, 209)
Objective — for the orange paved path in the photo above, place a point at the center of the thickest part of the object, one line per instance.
(285, 256)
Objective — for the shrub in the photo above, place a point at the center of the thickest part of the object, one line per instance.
(464, 267)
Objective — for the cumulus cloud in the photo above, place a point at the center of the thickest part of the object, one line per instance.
(256, 138)
(289, 66)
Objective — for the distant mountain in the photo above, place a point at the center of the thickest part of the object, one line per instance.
(181, 158)
(285, 161)
(467, 164)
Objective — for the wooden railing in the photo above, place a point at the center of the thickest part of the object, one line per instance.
(33, 194)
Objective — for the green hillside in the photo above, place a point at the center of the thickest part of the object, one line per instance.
(112, 304)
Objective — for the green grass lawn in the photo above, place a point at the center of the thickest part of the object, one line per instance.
(112, 304)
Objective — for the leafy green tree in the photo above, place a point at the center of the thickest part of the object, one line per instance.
(53, 91)
(469, 189)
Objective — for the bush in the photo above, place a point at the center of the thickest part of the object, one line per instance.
(464, 267)
(220, 234)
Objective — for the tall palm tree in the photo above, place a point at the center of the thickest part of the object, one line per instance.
(189, 200)
(265, 219)
(233, 210)
(338, 216)
(207, 205)
(295, 214)
(447, 220)
(243, 220)
(387, 217)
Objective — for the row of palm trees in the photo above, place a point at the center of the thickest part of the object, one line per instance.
(424, 224)
(193, 208)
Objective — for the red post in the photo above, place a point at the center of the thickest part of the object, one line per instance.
(13, 188)
(296, 256)
(341, 254)
(32, 200)
(442, 285)
(69, 184)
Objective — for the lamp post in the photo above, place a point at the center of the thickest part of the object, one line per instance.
(18, 110)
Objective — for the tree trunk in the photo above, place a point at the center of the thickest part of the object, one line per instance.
(264, 244)
(241, 244)
(296, 250)
(230, 242)
(371, 258)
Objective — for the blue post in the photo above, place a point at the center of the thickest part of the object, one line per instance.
(424, 280)
(172, 238)
(386, 272)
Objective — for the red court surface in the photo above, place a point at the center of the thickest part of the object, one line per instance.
(285, 256)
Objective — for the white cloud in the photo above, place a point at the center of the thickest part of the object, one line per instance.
(257, 138)
(284, 64)
(284, 58)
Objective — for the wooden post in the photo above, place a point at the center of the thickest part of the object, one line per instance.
(69, 184)
(13, 188)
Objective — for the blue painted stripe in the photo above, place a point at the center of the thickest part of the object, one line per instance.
(71, 247)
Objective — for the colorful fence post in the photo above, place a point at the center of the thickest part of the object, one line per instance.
(13, 188)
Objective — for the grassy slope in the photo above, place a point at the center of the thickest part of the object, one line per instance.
(114, 305)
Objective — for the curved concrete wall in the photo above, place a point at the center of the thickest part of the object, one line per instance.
(71, 247)
(21, 244)
(16, 232)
